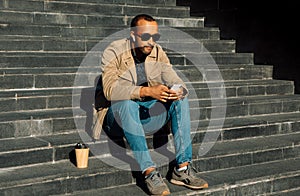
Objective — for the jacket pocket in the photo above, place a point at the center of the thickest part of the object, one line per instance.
(155, 77)
(126, 79)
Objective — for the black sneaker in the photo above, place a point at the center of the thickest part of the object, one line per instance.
(156, 184)
(188, 178)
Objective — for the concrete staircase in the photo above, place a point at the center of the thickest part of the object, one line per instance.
(42, 45)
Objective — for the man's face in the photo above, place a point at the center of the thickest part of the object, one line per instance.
(142, 29)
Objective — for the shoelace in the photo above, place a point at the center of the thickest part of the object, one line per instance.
(155, 178)
(190, 171)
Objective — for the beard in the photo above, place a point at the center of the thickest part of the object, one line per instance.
(146, 49)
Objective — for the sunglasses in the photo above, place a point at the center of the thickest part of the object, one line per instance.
(147, 36)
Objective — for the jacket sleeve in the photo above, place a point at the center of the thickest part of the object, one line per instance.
(169, 75)
(117, 83)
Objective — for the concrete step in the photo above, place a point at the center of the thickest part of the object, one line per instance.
(116, 9)
(83, 7)
(235, 106)
(241, 107)
(229, 72)
(244, 88)
(24, 5)
(53, 121)
(22, 93)
(37, 102)
(130, 2)
(52, 77)
(94, 7)
(289, 192)
(257, 168)
(105, 147)
(58, 118)
(53, 70)
(57, 147)
(29, 32)
(204, 46)
(238, 106)
(36, 99)
(85, 45)
(223, 154)
(247, 127)
(248, 180)
(54, 18)
(43, 59)
(210, 58)
(255, 71)
(35, 5)
(74, 59)
(43, 148)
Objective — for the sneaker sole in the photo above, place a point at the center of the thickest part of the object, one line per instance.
(176, 182)
(163, 194)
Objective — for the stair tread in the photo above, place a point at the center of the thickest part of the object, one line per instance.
(253, 123)
(117, 5)
(194, 103)
(221, 178)
(36, 114)
(251, 100)
(92, 19)
(64, 139)
(86, 5)
(168, 2)
(34, 142)
(238, 177)
(60, 27)
(63, 112)
(220, 181)
(106, 4)
(250, 145)
(253, 174)
(83, 53)
(220, 148)
(234, 83)
(46, 70)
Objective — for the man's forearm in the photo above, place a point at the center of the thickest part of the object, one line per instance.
(144, 91)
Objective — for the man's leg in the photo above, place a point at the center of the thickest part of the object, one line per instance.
(183, 174)
(127, 116)
(179, 113)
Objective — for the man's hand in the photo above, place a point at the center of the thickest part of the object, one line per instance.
(161, 93)
(178, 93)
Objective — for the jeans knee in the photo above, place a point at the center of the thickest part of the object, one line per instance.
(125, 106)
(183, 102)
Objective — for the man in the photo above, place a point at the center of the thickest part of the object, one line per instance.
(145, 93)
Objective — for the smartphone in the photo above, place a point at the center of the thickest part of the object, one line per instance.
(175, 87)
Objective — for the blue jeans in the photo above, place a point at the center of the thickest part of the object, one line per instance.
(135, 119)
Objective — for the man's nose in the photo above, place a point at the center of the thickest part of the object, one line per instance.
(151, 41)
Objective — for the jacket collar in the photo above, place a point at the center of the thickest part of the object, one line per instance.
(129, 61)
(128, 54)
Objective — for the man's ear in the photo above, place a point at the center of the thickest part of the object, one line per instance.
(132, 36)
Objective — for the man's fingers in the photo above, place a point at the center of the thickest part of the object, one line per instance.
(163, 100)
(165, 94)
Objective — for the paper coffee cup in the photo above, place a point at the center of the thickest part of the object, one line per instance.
(82, 156)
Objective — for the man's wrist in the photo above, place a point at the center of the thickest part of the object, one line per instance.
(144, 91)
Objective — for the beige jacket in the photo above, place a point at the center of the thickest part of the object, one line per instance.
(119, 78)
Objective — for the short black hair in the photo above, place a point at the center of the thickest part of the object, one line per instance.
(135, 20)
